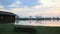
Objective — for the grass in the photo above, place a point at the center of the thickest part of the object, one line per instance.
(48, 30)
(8, 29)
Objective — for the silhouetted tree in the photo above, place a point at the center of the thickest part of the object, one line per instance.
(30, 17)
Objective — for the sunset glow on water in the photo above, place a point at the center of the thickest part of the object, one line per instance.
(39, 23)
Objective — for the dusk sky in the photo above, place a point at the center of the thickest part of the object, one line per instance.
(25, 8)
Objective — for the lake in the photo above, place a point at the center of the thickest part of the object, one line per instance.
(38, 22)
(40, 26)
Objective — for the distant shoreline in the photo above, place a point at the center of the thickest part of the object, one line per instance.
(38, 18)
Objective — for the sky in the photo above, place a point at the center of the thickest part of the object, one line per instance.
(26, 8)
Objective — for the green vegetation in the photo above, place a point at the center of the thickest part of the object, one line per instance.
(48, 30)
(8, 29)
(49, 18)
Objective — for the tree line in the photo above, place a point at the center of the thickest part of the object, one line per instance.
(38, 18)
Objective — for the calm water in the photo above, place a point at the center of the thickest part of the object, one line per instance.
(39, 22)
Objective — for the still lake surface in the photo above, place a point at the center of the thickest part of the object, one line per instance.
(38, 22)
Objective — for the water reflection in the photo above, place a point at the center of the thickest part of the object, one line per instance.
(39, 22)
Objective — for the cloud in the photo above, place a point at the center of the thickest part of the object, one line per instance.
(48, 8)
(48, 3)
(49, 11)
(25, 11)
(1, 7)
(15, 4)
(19, 10)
